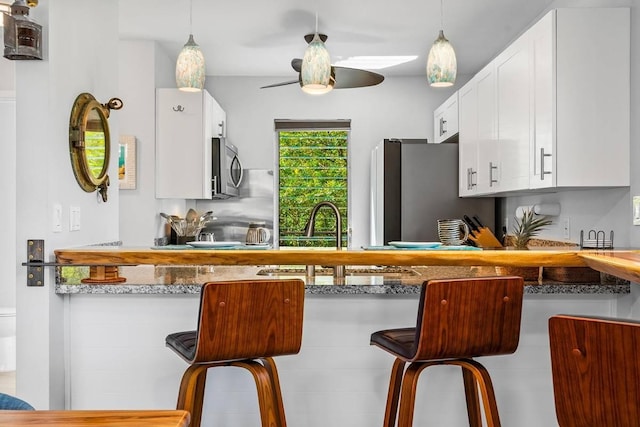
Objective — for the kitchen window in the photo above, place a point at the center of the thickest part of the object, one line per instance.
(313, 166)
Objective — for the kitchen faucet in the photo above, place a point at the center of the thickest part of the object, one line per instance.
(338, 270)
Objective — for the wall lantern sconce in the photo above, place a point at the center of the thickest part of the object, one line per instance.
(22, 35)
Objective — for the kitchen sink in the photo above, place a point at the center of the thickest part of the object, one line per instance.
(349, 271)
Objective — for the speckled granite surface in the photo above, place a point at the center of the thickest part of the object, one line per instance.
(148, 279)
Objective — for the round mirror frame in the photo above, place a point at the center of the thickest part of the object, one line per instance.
(84, 104)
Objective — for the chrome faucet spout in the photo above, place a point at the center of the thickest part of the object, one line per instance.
(338, 270)
(311, 224)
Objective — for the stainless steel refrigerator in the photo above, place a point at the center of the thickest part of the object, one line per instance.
(413, 184)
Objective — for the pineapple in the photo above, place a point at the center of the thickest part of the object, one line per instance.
(528, 226)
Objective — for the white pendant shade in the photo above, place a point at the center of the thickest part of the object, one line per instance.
(441, 64)
(190, 67)
(315, 73)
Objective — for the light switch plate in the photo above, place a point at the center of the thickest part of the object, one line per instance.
(636, 210)
(56, 220)
(74, 218)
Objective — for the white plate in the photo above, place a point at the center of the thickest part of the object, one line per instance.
(416, 245)
(210, 245)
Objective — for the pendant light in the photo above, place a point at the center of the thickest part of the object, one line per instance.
(190, 68)
(441, 64)
(315, 73)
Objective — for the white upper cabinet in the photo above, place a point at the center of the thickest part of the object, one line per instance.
(468, 140)
(489, 155)
(219, 120)
(479, 157)
(185, 127)
(582, 99)
(561, 117)
(513, 95)
(445, 120)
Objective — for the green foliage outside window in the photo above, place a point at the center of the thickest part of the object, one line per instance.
(313, 168)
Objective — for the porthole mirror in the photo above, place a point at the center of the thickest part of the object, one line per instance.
(90, 143)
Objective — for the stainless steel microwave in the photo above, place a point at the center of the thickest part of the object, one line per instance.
(226, 170)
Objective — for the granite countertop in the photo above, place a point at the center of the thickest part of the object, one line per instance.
(175, 279)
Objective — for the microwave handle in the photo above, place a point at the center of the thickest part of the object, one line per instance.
(236, 159)
(214, 186)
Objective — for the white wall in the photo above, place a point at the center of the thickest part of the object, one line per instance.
(142, 67)
(79, 57)
(8, 196)
(400, 107)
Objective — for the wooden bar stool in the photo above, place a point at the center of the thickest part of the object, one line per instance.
(242, 324)
(457, 320)
(596, 372)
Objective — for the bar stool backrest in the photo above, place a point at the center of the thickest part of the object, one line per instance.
(596, 371)
(249, 319)
(463, 318)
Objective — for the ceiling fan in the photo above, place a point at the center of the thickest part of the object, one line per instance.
(341, 77)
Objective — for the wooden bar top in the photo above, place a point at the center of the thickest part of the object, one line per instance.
(107, 255)
(111, 418)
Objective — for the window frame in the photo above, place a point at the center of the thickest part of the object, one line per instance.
(309, 125)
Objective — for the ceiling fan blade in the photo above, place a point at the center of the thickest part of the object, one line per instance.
(280, 84)
(296, 63)
(353, 77)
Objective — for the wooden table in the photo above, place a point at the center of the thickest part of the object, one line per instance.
(151, 418)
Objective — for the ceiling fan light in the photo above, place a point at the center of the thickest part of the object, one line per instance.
(441, 64)
(315, 73)
(190, 67)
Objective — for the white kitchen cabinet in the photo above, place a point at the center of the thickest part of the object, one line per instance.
(581, 95)
(562, 107)
(478, 151)
(184, 129)
(513, 103)
(219, 120)
(489, 155)
(468, 140)
(445, 120)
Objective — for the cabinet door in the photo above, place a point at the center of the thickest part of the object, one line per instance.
(468, 140)
(543, 159)
(438, 122)
(514, 106)
(488, 151)
(445, 119)
(451, 115)
(180, 155)
(219, 120)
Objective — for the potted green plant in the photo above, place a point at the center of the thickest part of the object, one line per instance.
(527, 227)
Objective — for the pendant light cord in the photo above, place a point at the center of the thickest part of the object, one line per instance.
(441, 13)
(190, 16)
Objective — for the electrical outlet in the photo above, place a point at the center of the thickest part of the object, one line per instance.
(74, 218)
(636, 210)
(566, 228)
(56, 220)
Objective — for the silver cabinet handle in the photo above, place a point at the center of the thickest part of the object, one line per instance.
(470, 174)
(443, 128)
(542, 171)
(492, 167)
(221, 126)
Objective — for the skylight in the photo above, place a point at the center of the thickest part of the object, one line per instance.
(374, 62)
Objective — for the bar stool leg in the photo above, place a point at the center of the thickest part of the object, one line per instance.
(393, 396)
(473, 399)
(408, 392)
(270, 366)
(481, 375)
(269, 413)
(191, 394)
